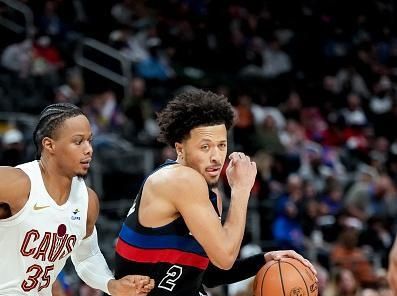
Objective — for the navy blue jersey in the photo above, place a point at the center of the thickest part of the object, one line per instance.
(169, 254)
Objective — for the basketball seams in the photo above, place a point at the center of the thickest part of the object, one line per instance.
(283, 280)
(264, 275)
(307, 289)
(281, 276)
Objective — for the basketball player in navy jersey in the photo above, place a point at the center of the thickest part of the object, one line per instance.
(173, 231)
(48, 214)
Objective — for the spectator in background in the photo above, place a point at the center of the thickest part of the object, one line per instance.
(46, 63)
(17, 58)
(262, 109)
(104, 113)
(343, 283)
(331, 202)
(267, 138)
(50, 23)
(47, 60)
(244, 129)
(378, 237)
(347, 254)
(72, 90)
(13, 150)
(348, 80)
(139, 110)
(156, 65)
(371, 197)
(123, 12)
(353, 112)
(287, 230)
(292, 106)
(275, 60)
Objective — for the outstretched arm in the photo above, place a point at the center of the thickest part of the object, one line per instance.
(242, 269)
(220, 242)
(248, 267)
(92, 268)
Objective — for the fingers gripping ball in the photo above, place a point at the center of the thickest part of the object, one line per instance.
(287, 277)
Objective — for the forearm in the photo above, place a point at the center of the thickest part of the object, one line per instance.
(90, 264)
(241, 270)
(234, 225)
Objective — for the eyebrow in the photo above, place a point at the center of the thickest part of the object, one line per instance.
(82, 135)
(208, 140)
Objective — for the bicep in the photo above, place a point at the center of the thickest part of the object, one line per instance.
(201, 218)
(14, 185)
(93, 211)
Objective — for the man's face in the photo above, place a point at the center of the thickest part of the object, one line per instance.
(73, 147)
(205, 151)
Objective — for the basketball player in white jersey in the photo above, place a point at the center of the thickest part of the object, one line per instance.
(48, 214)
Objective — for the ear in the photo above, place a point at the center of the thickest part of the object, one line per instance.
(178, 148)
(48, 145)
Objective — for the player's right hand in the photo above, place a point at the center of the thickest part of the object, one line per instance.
(241, 172)
(131, 285)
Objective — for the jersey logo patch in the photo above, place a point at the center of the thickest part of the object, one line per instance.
(36, 207)
(75, 215)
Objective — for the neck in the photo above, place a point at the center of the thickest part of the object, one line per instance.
(180, 160)
(57, 185)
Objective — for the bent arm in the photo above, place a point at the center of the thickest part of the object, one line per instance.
(242, 269)
(220, 242)
(90, 264)
(87, 258)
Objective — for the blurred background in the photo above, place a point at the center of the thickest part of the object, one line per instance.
(313, 83)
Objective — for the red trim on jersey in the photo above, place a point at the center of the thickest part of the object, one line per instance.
(165, 255)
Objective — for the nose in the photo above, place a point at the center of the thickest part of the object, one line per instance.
(215, 155)
(88, 148)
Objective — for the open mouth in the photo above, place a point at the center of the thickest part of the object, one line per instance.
(213, 171)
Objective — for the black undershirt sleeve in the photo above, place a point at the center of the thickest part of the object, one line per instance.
(242, 269)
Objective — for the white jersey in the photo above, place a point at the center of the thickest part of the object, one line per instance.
(35, 242)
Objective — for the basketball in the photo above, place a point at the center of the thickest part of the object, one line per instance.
(287, 277)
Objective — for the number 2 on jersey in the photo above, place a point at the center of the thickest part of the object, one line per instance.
(173, 274)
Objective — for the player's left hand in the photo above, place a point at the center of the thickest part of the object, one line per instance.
(142, 286)
(278, 255)
(131, 285)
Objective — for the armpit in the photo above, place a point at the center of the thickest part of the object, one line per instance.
(5, 211)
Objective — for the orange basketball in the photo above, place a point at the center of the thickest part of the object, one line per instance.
(287, 277)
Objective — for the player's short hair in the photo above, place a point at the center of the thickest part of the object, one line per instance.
(51, 118)
(191, 109)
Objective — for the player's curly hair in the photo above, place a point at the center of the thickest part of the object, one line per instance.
(192, 109)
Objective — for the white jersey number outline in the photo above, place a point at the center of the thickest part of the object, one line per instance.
(173, 274)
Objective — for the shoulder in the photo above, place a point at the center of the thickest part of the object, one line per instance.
(177, 180)
(14, 184)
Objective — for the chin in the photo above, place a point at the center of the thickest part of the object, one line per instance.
(212, 184)
(82, 175)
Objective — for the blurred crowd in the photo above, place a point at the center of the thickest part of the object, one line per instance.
(313, 84)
